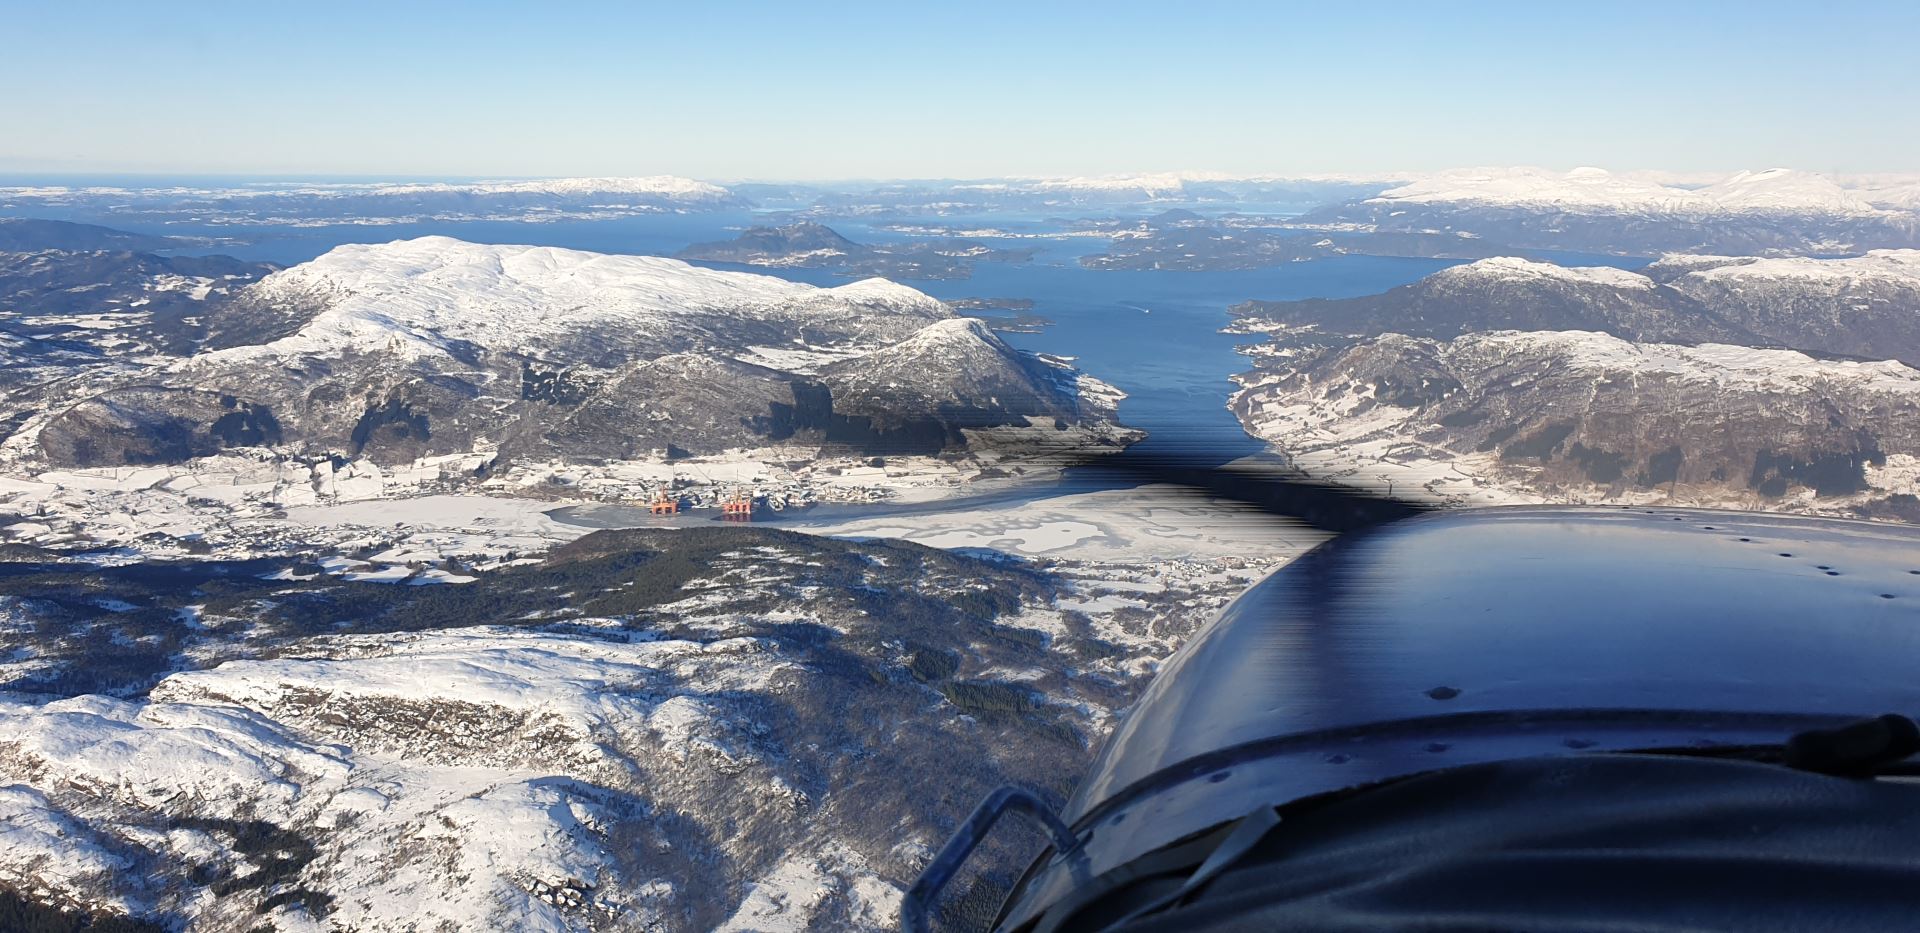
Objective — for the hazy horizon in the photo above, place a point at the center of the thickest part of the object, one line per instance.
(1659, 175)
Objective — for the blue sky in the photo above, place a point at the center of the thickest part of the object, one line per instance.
(959, 89)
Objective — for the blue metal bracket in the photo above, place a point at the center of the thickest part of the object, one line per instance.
(926, 890)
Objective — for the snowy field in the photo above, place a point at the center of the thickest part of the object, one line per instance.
(257, 504)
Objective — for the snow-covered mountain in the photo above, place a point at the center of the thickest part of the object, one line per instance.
(1772, 191)
(1866, 306)
(435, 346)
(1146, 187)
(1582, 416)
(1165, 186)
(1529, 186)
(1593, 210)
(951, 369)
(435, 295)
(1503, 293)
(1783, 190)
(1899, 193)
(1707, 379)
(663, 187)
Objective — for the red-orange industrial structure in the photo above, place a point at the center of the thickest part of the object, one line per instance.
(737, 509)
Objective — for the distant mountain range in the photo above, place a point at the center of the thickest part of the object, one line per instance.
(647, 189)
(296, 203)
(1591, 210)
(920, 199)
(1775, 191)
(1510, 210)
(640, 194)
(1533, 213)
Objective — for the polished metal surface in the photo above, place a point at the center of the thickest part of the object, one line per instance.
(1474, 636)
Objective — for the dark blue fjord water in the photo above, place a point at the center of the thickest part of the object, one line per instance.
(1156, 334)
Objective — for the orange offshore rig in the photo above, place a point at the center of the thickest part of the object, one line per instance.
(737, 509)
(664, 504)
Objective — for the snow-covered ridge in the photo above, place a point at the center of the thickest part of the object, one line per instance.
(418, 295)
(1896, 265)
(1860, 307)
(1724, 364)
(1770, 191)
(964, 330)
(1894, 192)
(653, 187)
(660, 186)
(1154, 184)
(1527, 185)
(1893, 266)
(1513, 269)
(959, 354)
(1783, 190)
(1582, 416)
